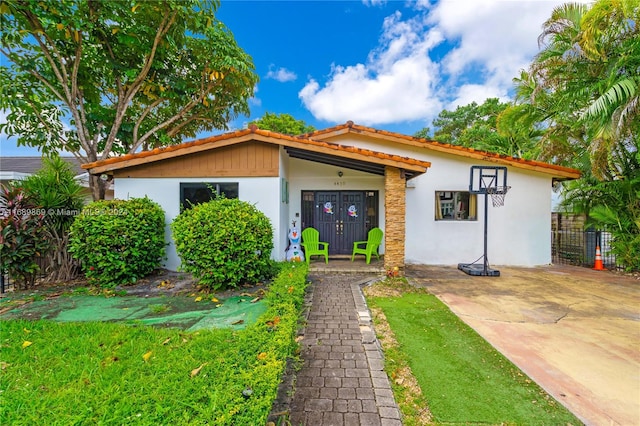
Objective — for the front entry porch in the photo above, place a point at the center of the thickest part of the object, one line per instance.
(341, 217)
(343, 265)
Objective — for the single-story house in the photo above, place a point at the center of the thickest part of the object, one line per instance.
(347, 179)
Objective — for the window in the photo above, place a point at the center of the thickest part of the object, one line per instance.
(455, 205)
(196, 193)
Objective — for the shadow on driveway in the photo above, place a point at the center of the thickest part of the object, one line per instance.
(575, 331)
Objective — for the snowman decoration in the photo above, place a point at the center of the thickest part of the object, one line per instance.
(294, 252)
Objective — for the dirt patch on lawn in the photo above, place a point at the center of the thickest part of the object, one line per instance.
(161, 282)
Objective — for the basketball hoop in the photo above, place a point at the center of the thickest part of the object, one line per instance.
(486, 180)
(497, 194)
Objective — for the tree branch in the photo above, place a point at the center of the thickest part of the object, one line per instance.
(146, 111)
(126, 100)
(188, 107)
(60, 72)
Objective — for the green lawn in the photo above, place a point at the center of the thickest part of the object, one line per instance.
(106, 373)
(464, 380)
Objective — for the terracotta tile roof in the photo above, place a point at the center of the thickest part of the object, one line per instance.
(350, 127)
(241, 136)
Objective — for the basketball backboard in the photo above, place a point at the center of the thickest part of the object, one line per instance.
(487, 179)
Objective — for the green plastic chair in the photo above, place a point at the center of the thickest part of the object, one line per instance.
(374, 239)
(313, 246)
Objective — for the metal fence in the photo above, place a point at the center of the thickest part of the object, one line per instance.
(578, 247)
(7, 283)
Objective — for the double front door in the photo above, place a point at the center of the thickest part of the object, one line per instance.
(341, 217)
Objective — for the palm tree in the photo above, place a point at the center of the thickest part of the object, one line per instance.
(584, 83)
(583, 89)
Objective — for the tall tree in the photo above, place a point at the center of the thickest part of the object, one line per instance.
(282, 123)
(584, 86)
(98, 77)
(584, 82)
(480, 127)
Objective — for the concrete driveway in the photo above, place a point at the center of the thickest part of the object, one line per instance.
(574, 331)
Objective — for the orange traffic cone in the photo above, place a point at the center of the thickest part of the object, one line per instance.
(598, 266)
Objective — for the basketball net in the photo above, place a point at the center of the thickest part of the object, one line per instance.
(497, 194)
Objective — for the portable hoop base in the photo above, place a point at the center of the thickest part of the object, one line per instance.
(478, 270)
(486, 180)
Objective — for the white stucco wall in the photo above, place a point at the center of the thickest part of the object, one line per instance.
(309, 176)
(519, 232)
(279, 249)
(264, 193)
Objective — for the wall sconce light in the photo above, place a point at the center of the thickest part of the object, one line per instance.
(340, 174)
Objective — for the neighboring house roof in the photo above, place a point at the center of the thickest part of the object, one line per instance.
(538, 166)
(30, 165)
(296, 146)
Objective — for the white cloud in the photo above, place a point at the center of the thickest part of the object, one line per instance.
(396, 84)
(281, 74)
(468, 93)
(370, 3)
(255, 100)
(492, 40)
(497, 35)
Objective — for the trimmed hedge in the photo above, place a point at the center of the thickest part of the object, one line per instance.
(270, 342)
(118, 241)
(224, 243)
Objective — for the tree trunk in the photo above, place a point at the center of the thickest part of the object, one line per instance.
(98, 187)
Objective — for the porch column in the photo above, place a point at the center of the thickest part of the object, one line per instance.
(395, 213)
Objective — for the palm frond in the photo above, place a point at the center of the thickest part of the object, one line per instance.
(617, 94)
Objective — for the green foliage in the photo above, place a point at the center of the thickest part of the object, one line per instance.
(97, 77)
(614, 206)
(457, 127)
(282, 123)
(104, 363)
(23, 234)
(484, 127)
(582, 91)
(224, 243)
(118, 241)
(583, 85)
(56, 191)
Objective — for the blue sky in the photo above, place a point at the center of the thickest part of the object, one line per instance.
(392, 65)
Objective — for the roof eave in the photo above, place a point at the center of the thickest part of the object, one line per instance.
(111, 165)
(557, 172)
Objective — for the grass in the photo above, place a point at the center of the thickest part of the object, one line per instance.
(105, 373)
(462, 378)
(159, 308)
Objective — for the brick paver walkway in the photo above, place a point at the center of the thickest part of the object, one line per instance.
(342, 381)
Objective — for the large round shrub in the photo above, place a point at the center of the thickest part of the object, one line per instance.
(224, 243)
(118, 241)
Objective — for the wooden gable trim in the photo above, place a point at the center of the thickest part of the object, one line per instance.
(249, 159)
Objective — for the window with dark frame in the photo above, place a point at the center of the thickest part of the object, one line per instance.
(193, 193)
(456, 205)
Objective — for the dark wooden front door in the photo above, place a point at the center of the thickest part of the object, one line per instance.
(341, 217)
